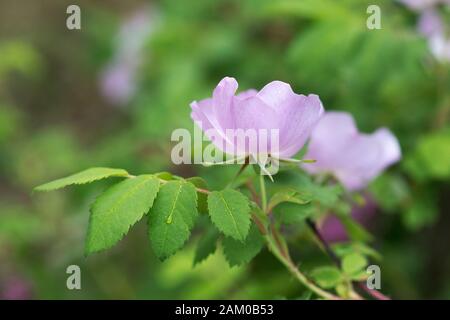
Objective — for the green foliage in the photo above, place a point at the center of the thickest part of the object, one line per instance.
(327, 276)
(308, 199)
(117, 209)
(291, 213)
(238, 252)
(384, 77)
(206, 246)
(353, 263)
(354, 229)
(291, 206)
(19, 226)
(202, 197)
(230, 212)
(19, 56)
(324, 9)
(9, 123)
(86, 176)
(431, 158)
(423, 211)
(166, 176)
(390, 191)
(344, 249)
(287, 195)
(172, 217)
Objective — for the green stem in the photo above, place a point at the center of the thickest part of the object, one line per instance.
(286, 260)
(241, 169)
(329, 251)
(263, 193)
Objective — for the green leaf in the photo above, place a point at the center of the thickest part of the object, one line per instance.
(86, 176)
(202, 197)
(238, 252)
(291, 213)
(327, 277)
(353, 263)
(390, 191)
(342, 249)
(117, 209)
(261, 215)
(355, 230)
(342, 290)
(164, 175)
(172, 217)
(423, 211)
(325, 9)
(207, 245)
(327, 195)
(288, 195)
(431, 158)
(230, 212)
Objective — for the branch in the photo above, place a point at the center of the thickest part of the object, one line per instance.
(372, 292)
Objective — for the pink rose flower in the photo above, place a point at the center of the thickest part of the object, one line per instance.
(274, 107)
(354, 158)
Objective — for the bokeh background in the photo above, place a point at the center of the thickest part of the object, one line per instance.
(111, 93)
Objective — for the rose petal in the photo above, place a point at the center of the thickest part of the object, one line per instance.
(275, 94)
(328, 139)
(300, 116)
(354, 158)
(223, 99)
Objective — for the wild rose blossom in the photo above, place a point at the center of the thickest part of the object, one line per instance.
(440, 47)
(118, 79)
(432, 26)
(419, 5)
(274, 107)
(430, 23)
(353, 158)
(15, 288)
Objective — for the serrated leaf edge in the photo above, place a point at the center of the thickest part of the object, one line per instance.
(88, 252)
(163, 258)
(242, 239)
(41, 188)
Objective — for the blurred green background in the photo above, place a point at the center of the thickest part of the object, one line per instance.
(111, 93)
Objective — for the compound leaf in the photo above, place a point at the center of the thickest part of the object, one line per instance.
(117, 209)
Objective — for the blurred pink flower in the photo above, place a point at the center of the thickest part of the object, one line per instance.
(432, 26)
(430, 23)
(118, 82)
(354, 158)
(275, 106)
(15, 288)
(419, 5)
(440, 47)
(118, 79)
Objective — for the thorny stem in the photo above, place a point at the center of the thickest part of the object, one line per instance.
(374, 293)
(241, 169)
